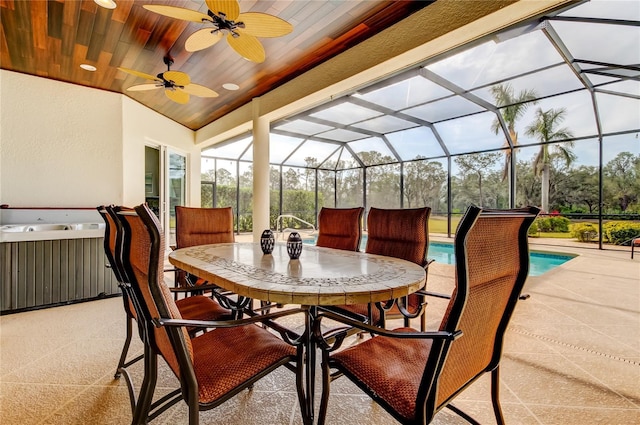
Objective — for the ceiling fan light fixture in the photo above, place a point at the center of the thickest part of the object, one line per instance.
(230, 86)
(88, 67)
(177, 85)
(241, 29)
(107, 4)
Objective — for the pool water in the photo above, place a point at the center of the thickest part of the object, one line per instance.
(540, 262)
(442, 252)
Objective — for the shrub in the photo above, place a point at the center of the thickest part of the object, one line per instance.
(554, 224)
(584, 232)
(620, 232)
(533, 230)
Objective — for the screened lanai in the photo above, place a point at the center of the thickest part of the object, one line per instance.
(545, 113)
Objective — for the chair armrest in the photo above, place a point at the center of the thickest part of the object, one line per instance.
(261, 318)
(224, 323)
(432, 294)
(204, 287)
(428, 263)
(377, 330)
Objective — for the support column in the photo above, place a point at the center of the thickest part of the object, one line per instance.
(260, 171)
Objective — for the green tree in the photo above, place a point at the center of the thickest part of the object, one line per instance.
(224, 177)
(309, 173)
(477, 165)
(349, 188)
(383, 180)
(512, 107)
(326, 188)
(291, 179)
(208, 176)
(622, 175)
(246, 178)
(528, 187)
(274, 178)
(578, 189)
(423, 183)
(544, 128)
(207, 182)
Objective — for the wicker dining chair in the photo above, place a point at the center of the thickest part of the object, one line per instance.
(211, 367)
(110, 240)
(197, 308)
(340, 228)
(399, 233)
(413, 375)
(200, 226)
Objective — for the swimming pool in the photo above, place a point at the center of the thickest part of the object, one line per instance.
(442, 252)
(540, 262)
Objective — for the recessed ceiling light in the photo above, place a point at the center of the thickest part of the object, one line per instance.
(88, 67)
(230, 86)
(107, 4)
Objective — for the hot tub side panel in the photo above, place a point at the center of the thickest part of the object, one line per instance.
(35, 274)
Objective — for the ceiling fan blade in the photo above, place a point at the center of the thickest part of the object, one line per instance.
(178, 12)
(144, 87)
(202, 39)
(177, 96)
(264, 25)
(200, 91)
(231, 8)
(180, 78)
(248, 47)
(138, 74)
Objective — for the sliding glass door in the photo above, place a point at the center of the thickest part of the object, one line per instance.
(176, 191)
(165, 186)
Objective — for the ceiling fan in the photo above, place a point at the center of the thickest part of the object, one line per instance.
(241, 29)
(177, 85)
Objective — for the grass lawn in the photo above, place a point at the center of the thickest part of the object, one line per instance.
(557, 235)
(438, 224)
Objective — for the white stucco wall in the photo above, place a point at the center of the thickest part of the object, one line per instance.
(63, 145)
(142, 126)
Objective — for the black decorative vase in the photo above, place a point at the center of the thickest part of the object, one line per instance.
(267, 241)
(294, 245)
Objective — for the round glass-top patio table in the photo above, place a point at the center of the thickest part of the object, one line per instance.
(322, 276)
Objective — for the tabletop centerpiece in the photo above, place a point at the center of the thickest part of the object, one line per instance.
(294, 245)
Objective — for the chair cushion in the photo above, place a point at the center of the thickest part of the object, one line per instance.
(340, 228)
(225, 358)
(390, 367)
(200, 307)
(199, 226)
(362, 309)
(400, 233)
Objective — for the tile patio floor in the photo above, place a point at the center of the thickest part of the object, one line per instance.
(571, 356)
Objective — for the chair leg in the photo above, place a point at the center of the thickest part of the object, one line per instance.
(423, 321)
(125, 348)
(147, 388)
(300, 372)
(326, 384)
(194, 411)
(495, 395)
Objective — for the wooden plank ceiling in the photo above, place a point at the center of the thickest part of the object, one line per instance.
(52, 38)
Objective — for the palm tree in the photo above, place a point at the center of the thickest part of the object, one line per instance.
(514, 108)
(544, 129)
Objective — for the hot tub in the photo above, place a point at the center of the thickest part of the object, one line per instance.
(50, 231)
